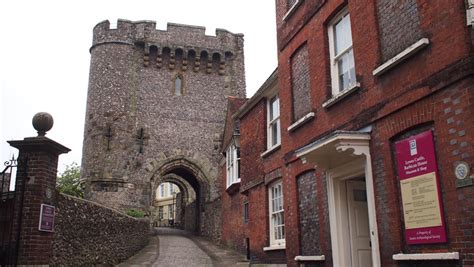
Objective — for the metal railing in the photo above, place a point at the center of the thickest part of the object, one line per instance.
(10, 213)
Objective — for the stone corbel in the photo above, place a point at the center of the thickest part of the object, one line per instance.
(146, 55)
(197, 63)
(184, 65)
(159, 58)
(172, 60)
(222, 67)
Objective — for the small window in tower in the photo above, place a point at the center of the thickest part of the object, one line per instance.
(178, 86)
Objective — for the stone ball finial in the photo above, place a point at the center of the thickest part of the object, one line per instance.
(43, 122)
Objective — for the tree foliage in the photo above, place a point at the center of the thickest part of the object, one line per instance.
(68, 182)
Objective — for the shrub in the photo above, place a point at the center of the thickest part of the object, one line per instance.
(69, 182)
(135, 213)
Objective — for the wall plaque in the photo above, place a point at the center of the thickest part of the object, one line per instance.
(462, 171)
(46, 221)
(420, 190)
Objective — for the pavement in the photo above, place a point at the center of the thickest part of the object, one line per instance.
(174, 247)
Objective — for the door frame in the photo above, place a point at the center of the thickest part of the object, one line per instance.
(352, 184)
(338, 218)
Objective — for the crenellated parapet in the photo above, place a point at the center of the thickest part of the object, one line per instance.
(171, 48)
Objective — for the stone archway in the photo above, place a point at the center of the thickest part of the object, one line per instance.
(187, 175)
(182, 202)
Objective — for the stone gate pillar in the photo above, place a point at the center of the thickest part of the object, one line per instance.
(35, 185)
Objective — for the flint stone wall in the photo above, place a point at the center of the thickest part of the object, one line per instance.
(211, 220)
(87, 233)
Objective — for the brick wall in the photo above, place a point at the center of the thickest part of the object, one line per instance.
(253, 142)
(233, 226)
(452, 144)
(289, 28)
(258, 228)
(87, 233)
(253, 169)
(438, 95)
(40, 177)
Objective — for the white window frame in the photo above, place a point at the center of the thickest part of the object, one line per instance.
(246, 212)
(271, 122)
(170, 211)
(160, 212)
(291, 9)
(276, 241)
(336, 90)
(232, 165)
(162, 190)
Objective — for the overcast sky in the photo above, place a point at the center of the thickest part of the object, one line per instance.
(44, 55)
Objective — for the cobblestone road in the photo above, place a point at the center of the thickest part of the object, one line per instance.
(178, 250)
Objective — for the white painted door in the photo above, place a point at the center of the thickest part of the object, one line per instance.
(361, 252)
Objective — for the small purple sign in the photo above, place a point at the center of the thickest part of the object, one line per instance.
(46, 222)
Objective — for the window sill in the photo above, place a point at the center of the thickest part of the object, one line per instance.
(233, 188)
(275, 247)
(426, 256)
(301, 121)
(270, 150)
(411, 50)
(292, 10)
(310, 258)
(341, 95)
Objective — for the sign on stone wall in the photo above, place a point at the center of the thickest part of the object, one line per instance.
(46, 221)
(420, 190)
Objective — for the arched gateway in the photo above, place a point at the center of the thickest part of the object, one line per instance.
(191, 181)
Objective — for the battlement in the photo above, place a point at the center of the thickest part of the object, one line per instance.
(179, 46)
(176, 35)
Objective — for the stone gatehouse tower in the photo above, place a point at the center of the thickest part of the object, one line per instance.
(155, 112)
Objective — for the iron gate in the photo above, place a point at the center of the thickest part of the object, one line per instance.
(11, 204)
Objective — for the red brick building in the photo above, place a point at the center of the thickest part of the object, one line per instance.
(358, 150)
(231, 200)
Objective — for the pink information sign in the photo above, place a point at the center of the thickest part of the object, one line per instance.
(46, 222)
(420, 190)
